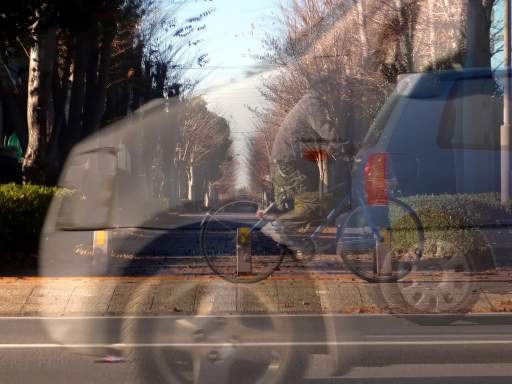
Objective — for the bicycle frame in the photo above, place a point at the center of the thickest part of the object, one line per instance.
(331, 216)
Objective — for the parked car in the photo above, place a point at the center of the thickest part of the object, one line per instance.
(435, 145)
(440, 133)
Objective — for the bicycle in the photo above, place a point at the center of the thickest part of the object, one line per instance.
(378, 243)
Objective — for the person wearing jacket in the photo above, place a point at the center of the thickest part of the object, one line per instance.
(308, 133)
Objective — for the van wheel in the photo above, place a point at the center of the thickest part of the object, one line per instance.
(223, 349)
(436, 285)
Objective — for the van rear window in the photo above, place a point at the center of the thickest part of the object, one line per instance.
(472, 116)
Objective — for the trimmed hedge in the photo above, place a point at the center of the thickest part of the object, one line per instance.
(452, 223)
(22, 212)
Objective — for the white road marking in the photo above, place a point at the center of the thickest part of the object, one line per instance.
(466, 317)
(254, 344)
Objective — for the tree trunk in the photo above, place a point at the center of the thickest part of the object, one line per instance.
(91, 81)
(361, 21)
(191, 172)
(323, 179)
(61, 83)
(169, 139)
(77, 98)
(478, 39)
(147, 81)
(432, 33)
(103, 75)
(97, 104)
(113, 97)
(42, 58)
(160, 79)
(137, 79)
(409, 19)
(405, 40)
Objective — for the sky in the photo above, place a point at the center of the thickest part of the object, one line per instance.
(230, 82)
(234, 33)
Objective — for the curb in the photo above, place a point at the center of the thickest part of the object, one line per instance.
(110, 296)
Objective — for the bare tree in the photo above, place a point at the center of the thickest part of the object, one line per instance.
(203, 134)
(225, 187)
(330, 38)
(258, 163)
(91, 63)
(42, 57)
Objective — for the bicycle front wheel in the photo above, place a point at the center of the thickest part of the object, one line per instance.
(234, 246)
(381, 243)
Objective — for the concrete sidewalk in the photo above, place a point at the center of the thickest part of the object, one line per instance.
(164, 296)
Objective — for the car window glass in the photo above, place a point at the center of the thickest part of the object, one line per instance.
(472, 116)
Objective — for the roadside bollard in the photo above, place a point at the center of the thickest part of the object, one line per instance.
(101, 250)
(243, 251)
(101, 243)
(383, 262)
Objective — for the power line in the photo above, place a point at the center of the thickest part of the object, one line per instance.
(254, 66)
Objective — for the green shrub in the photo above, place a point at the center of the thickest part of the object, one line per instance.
(22, 213)
(452, 223)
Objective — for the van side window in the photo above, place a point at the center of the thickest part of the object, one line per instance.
(472, 116)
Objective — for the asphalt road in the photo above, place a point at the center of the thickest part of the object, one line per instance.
(369, 348)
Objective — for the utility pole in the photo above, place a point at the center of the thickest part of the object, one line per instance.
(505, 128)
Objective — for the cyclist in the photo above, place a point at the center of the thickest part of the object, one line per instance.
(307, 140)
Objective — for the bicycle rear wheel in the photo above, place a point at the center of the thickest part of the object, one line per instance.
(221, 249)
(381, 243)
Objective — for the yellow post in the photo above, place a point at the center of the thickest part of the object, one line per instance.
(101, 243)
(243, 251)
